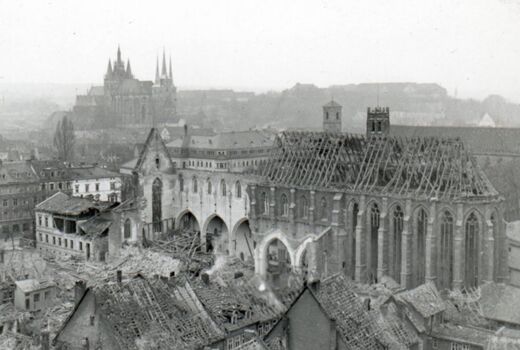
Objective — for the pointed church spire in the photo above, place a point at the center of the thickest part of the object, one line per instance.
(109, 68)
(118, 54)
(163, 72)
(128, 69)
(157, 70)
(171, 75)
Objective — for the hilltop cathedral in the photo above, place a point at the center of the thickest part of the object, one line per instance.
(126, 101)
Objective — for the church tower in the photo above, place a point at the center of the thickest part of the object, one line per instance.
(378, 122)
(332, 117)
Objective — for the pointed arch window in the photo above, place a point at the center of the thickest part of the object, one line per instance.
(238, 189)
(446, 251)
(397, 234)
(355, 212)
(304, 207)
(181, 183)
(264, 202)
(157, 204)
(284, 206)
(471, 249)
(195, 184)
(374, 236)
(422, 228)
(210, 189)
(323, 208)
(223, 187)
(127, 231)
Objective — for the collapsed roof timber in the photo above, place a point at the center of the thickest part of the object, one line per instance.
(422, 167)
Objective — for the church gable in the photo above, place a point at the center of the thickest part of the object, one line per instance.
(154, 155)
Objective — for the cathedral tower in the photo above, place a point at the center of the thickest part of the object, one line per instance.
(378, 121)
(332, 117)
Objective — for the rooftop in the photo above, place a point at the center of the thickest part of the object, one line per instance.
(60, 203)
(32, 285)
(423, 167)
(225, 140)
(425, 299)
(500, 302)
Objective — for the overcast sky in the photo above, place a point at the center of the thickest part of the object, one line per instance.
(469, 45)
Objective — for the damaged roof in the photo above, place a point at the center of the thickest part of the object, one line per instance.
(95, 225)
(423, 167)
(60, 203)
(500, 302)
(425, 299)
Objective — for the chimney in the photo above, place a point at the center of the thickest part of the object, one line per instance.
(79, 290)
(119, 275)
(45, 340)
(205, 278)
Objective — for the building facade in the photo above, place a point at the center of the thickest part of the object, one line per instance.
(125, 101)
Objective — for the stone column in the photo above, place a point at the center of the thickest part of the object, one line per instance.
(311, 209)
(292, 212)
(382, 241)
(361, 243)
(458, 250)
(338, 235)
(406, 246)
(431, 245)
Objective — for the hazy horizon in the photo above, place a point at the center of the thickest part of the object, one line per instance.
(468, 46)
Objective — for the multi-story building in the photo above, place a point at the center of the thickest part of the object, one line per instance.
(235, 151)
(95, 183)
(19, 193)
(72, 226)
(126, 101)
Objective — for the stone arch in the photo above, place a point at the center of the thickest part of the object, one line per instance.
(191, 224)
(242, 237)
(261, 251)
(302, 259)
(215, 235)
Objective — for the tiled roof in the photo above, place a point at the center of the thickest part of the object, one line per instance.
(226, 140)
(60, 203)
(500, 302)
(465, 334)
(95, 225)
(17, 172)
(425, 299)
(353, 322)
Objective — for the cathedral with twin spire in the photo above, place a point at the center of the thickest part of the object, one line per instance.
(124, 101)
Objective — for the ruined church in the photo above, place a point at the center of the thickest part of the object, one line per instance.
(370, 206)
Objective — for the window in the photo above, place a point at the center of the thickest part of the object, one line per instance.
(223, 187)
(284, 208)
(304, 207)
(41, 237)
(327, 115)
(471, 247)
(323, 206)
(60, 185)
(337, 115)
(59, 242)
(238, 189)
(53, 240)
(25, 226)
(397, 232)
(97, 186)
(209, 186)
(6, 203)
(80, 245)
(86, 188)
(127, 230)
(51, 186)
(71, 244)
(112, 186)
(46, 295)
(157, 162)
(92, 320)
(39, 220)
(27, 304)
(422, 227)
(157, 205)
(181, 183)
(264, 202)
(435, 344)
(194, 184)
(36, 297)
(46, 238)
(66, 243)
(15, 202)
(76, 188)
(46, 222)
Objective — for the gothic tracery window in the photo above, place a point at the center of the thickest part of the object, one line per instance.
(304, 207)
(284, 206)
(195, 184)
(157, 204)
(396, 242)
(446, 251)
(209, 186)
(238, 189)
(422, 227)
(471, 253)
(223, 187)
